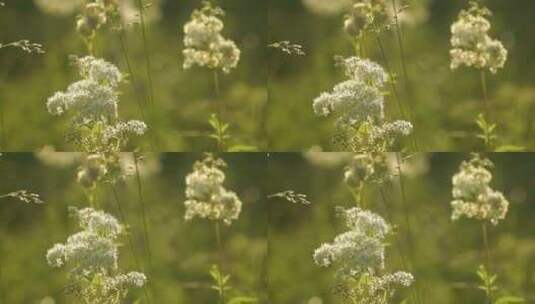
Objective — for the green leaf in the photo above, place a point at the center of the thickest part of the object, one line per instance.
(510, 299)
(242, 300)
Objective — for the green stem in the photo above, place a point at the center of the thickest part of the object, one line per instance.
(399, 35)
(219, 109)
(143, 213)
(129, 236)
(139, 101)
(485, 94)
(148, 65)
(220, 262)
(3, 141)
(397, 242)
(487, 257)
(391, 76)
(406, 213)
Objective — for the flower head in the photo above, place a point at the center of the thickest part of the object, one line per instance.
(205, 46)
(206, 196)
(472, 195)
(471, 44)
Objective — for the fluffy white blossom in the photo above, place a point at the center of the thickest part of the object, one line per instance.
(206, 196)
(358, 99)
(204, 44)
(359, 250)
(92, 258)
(93, 100)
(472, 195)
(358, 104)
(471, 44)
(359, 258)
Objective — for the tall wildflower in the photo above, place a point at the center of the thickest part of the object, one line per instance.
(91, 255)
(205, 46)
(358, 104)
(206, 196)
(94, 100)
(471, 44)
(359, 257)
(472, 195)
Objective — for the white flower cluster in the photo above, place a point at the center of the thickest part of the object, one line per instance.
(206, 196)
(366, 168)
(359, 250)
(205, 46)
(472, 195)
(472, 46)
(327, 7)
(359, 104)
(367, 15)
(92, 256)
(95, 96)
(360, 256)
(95, 100)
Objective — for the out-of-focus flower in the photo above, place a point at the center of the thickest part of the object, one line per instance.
(205, 46)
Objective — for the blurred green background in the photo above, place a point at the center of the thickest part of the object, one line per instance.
(268, 251)
(182, 252)
(444, 255)
(183, 100)
(444, 102)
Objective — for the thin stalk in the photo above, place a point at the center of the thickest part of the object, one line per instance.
(397, 243)
(148, 64)
(139, 101)
(406, 212)
(219, 110)
(146, 239)
(406, 79)
(487, 257)
(220, 262)
(129, 236)
(485, 94)
(3, 141)
(391, 76)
